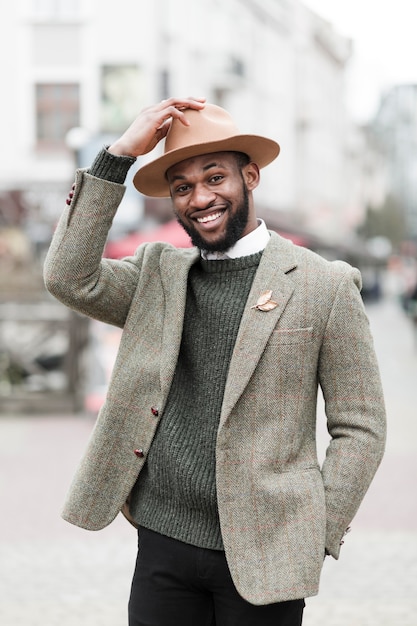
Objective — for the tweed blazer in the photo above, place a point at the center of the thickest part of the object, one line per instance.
(278, 508)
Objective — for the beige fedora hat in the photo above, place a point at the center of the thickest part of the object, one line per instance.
(211, 130)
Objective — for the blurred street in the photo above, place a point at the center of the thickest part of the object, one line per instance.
(53, 574)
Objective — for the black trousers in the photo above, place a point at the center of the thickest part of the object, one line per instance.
(179, 584)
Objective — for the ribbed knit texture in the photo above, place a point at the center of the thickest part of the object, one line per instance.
(111, 167)
(175, 493)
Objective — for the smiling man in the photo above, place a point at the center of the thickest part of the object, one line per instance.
(206, 441)
(211, 198)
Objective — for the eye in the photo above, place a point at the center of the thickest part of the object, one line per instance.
(182, 189)
(217, 178)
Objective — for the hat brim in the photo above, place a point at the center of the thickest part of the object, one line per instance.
(151, 178)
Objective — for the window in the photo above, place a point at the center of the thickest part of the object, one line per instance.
(121, 96)
(57, 110)
(55, 9)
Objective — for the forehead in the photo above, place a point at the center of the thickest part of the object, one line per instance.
(202, 162)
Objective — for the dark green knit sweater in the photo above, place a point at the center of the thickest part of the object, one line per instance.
(175, 493)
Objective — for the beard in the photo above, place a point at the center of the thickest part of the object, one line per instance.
(235, 227)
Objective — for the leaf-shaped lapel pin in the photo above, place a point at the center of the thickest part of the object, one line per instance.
(264, 302)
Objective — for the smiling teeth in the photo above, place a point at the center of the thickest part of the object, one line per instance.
(209, 218)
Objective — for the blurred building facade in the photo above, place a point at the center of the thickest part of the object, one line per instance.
(395, 130)
(91, 66)
(76, 73)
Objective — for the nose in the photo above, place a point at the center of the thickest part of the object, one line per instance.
(202, 197)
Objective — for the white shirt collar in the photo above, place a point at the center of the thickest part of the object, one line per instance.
(251, 243)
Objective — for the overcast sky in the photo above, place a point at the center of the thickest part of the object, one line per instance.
(385, 46)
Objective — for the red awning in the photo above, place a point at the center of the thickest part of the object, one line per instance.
(171, 232)
(299, 240)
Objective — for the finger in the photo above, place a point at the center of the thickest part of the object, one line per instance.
(166, 116)
(186, 103)
(164, 127)
(173, 108)
(172, 105)
(177, 112)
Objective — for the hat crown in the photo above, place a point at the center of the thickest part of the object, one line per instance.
(210, 130)
(206, 125)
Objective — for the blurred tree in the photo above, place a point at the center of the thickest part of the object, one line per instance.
(385, 221)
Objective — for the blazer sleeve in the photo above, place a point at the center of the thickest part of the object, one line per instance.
(74, 270)
(354, 405)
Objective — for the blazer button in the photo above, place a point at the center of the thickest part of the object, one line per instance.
(154, 411)
(139, 453)
(70, 195)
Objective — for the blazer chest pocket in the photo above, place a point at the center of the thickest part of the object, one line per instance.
(287, 336)
(292, 354)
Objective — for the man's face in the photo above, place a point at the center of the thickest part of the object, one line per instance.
(210, 194)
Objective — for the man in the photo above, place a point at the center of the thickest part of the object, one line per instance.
(207, 437)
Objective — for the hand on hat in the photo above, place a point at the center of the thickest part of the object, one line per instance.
(152, 125)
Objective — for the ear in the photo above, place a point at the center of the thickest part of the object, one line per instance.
(251, 176)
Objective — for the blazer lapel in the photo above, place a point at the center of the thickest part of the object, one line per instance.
(175, 265)
(256, 326)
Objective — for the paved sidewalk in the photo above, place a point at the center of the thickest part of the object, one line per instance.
(53, 574)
